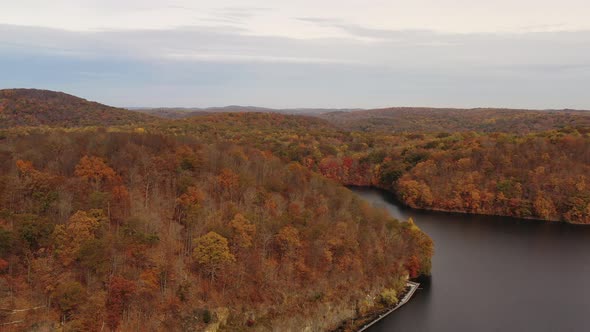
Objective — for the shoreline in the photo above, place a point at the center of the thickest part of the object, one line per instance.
(413, 287)
(364, 322)
(457, 212)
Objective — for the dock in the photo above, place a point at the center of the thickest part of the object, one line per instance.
(413, 287)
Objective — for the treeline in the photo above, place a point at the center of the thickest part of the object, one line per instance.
(104, 230)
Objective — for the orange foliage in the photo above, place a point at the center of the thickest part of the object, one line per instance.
(95, 170)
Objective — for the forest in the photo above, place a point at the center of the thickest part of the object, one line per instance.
(537, 175)
(117, 220)
(432, 120)
(32, 107)
(134, 231)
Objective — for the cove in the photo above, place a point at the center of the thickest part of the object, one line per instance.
(495, 273)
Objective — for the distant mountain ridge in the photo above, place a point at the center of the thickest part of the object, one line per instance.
(34, 107)
(187, 112)
(424, 119)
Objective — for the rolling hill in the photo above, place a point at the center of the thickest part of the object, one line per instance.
(417, 119)
(32, 107)
(181, 112)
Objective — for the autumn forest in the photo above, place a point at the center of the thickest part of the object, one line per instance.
(112, 219)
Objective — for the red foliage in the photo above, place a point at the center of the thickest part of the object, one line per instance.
(120, 292)
(3, 265)
(413, 266)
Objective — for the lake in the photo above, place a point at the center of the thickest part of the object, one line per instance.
(495, 274)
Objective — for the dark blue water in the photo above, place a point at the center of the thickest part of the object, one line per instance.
(495, 274)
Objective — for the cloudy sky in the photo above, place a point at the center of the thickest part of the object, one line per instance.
(321, 53)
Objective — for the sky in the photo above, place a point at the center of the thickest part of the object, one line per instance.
(302, 53)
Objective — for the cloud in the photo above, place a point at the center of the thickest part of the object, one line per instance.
(218, 44)
(219, 65)
(371, 33)
(406, 49)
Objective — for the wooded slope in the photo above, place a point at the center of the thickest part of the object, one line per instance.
(138, 231)
(432, 120)
(542, 175)
(32, 107)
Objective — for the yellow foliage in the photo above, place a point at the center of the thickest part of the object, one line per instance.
(244, 230)
(212, 251)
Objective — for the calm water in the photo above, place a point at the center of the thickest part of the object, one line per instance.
(495, 274)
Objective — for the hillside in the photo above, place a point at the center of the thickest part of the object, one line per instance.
(535, 170)
(541, 175)
(182, 112)
(32, 107)
(171, 113)
(136, 231)
(415, 119)
(230, 125)
(179, 112)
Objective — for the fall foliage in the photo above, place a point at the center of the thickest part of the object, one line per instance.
(31, 107)
(536, 174)
(168, 225)
(127, 230)
(435, 120)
